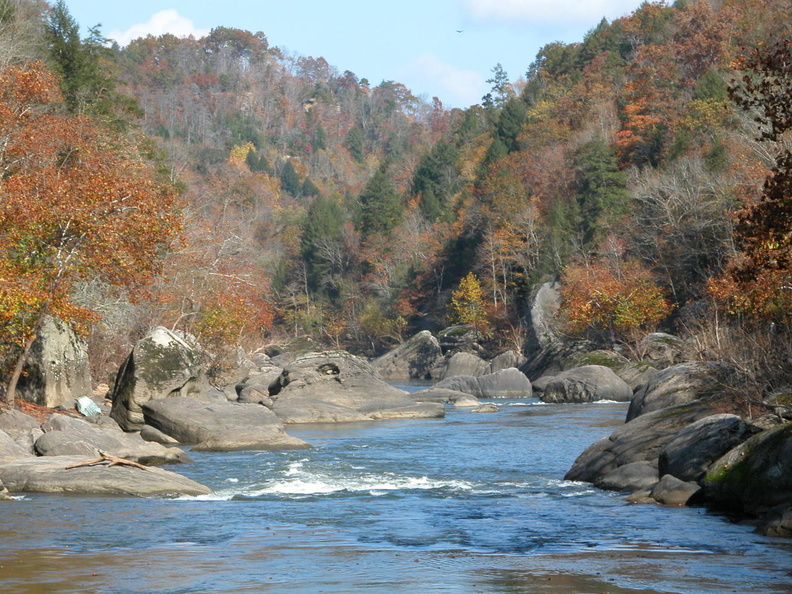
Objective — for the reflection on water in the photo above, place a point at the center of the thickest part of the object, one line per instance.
(469, 503)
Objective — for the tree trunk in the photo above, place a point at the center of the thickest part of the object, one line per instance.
(20, 365)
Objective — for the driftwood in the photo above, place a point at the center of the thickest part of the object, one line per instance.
(113, 461)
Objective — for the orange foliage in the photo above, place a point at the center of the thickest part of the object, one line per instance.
(618, 302)
(75, 203)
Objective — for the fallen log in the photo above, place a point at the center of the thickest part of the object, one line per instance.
(110, 459)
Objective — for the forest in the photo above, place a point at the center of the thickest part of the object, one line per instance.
(250, 197)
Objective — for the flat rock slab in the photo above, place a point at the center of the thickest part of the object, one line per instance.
(219, 426)
(50, 475)
(445, 396)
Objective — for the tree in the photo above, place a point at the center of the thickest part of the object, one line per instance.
(611, 302)
(601, 188)
(381, 206)
(76, 203)
(501, 91)
(758, 282)
(467, 303)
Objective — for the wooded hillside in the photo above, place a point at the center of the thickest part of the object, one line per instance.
(646, 166)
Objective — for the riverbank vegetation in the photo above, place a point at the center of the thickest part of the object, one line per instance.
(225, 188)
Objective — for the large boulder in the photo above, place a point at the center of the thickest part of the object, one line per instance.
(587, 384)
(161, 365)
(543, 319)
(52, 475)
(756, 476)
(57, 371)
(343, 380)
(507, 383)
(219, 426)
(679, 384)
(505, 360)
(697, 446)
(66, 436)
(414, 359)
(556, 357)
(463, 364)
(642, 439)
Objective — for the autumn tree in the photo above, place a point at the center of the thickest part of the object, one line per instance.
(611, 302)
(76, 203)
(468, 304)
(759, 280)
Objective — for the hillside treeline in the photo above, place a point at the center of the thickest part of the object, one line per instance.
(647, 167)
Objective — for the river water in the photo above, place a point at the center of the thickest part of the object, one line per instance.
(469, 503)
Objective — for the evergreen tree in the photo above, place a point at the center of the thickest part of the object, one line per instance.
(601, 188)
(320, 242)
(381, 206)
(290, 180)
(354, 143)
(436, 178)
(77, 63)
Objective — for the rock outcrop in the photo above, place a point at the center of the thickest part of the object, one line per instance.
(340, 379)
(161, 365)
(679, 384)
(57, 371)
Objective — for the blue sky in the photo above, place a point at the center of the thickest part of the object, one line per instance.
(443, 48)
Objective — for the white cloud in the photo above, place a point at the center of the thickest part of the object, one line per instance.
(165, 21)
(454, 87)
(548, 12)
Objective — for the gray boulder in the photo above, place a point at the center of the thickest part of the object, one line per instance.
(697, 446)
(486, 408)
(51, 475)
(11, 450)
(161, 365)
(23, 429)
(629, 477)
(463, 364)
(422, 410)
(756, 476)
(256, 387)
(505, 360)
(543, 319)
(219, 426)
(679, 384)
(669, 490)
(66, 436)
(634, 373)
(587, 384)
(445, 396)
(507, 383)
(57, 371)
(641, 440)
(413, 359)
(341, 379)
(662, 350)
(777, 522)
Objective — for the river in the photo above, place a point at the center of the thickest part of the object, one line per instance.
(469, 503)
